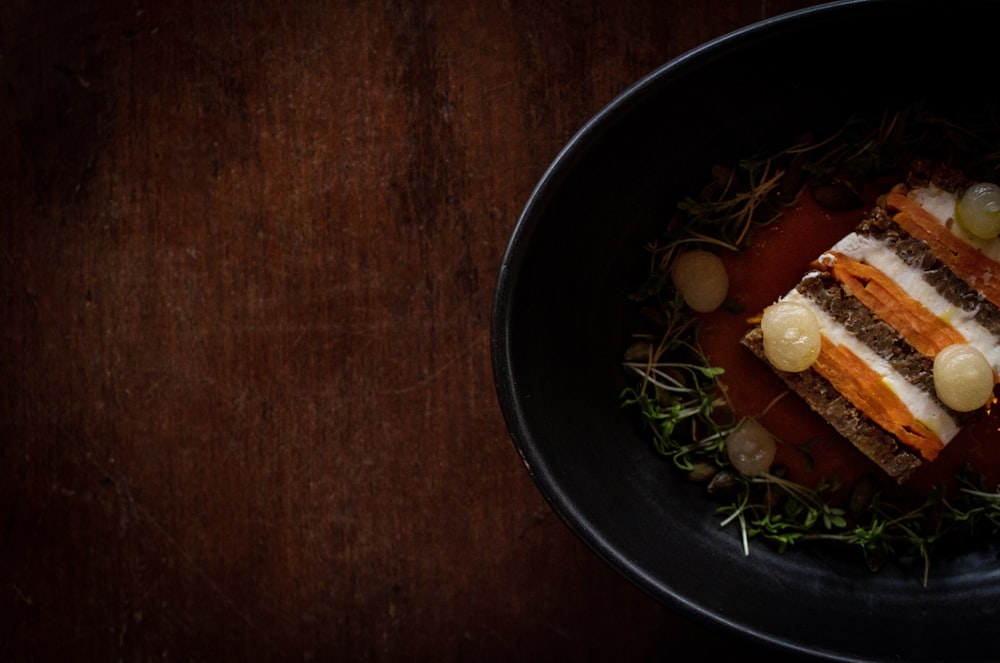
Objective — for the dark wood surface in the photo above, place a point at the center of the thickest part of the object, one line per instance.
(247, 256)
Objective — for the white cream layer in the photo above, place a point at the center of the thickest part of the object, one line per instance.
(879, 255)
(923, 407)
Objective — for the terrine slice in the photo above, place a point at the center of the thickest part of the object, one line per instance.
(888, 297)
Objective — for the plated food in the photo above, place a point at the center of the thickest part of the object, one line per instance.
(903, 318)
(651, 489)
(891, 335)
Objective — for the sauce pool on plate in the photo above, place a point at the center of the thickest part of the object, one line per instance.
(812, 450)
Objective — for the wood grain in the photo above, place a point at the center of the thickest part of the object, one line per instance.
(247, 258)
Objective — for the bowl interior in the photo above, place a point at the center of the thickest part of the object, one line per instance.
(562, 319)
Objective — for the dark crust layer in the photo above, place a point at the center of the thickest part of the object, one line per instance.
(872, 440)
(873, 331)
(870, 329)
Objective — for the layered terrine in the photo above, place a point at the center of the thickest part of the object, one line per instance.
(908, 283)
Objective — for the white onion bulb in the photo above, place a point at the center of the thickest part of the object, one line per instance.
(963, 377)
(792, 336)
(978, 210)
(701, 279)
(751, 448)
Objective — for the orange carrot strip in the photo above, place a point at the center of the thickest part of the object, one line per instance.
(924, 331)
(969, 264)
(866, 390)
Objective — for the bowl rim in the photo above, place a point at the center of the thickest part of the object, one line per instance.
(507, 389)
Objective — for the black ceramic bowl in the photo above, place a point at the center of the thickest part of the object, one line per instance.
(561, 321)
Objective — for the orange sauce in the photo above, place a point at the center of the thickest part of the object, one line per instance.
(778, 258)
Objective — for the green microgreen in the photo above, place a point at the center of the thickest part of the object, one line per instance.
(678, 393)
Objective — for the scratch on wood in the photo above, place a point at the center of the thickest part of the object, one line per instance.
(429, 377)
